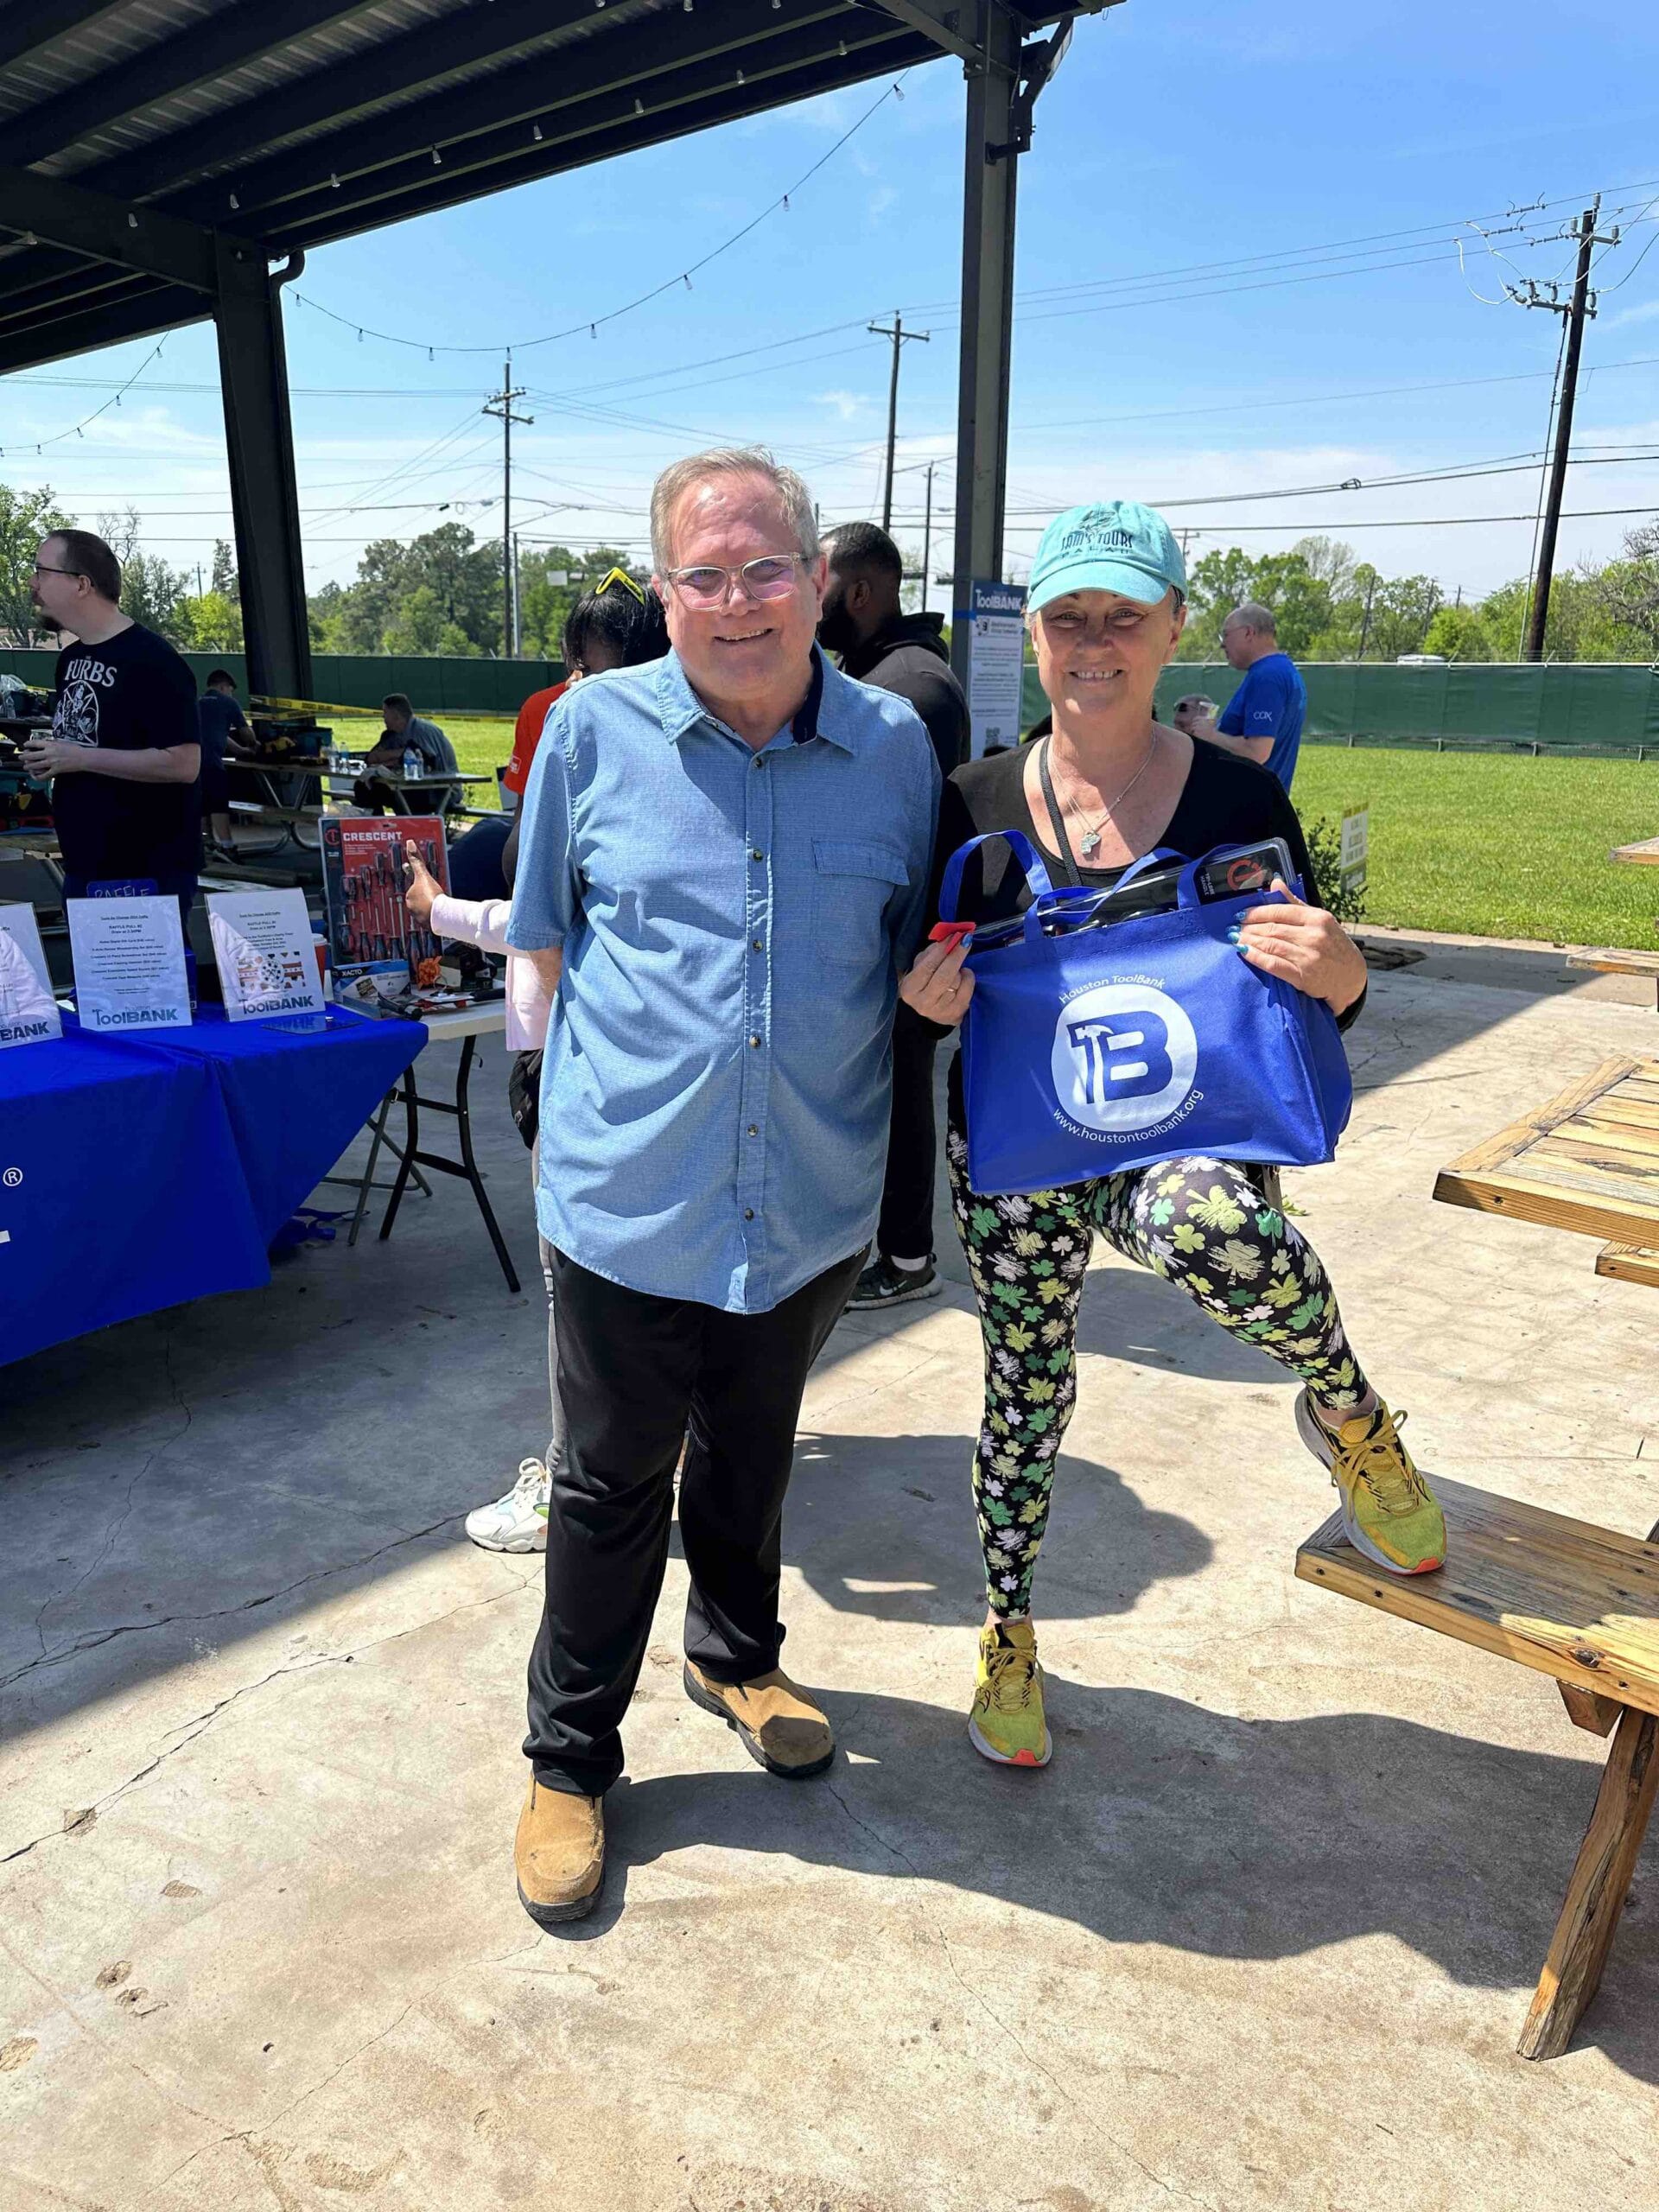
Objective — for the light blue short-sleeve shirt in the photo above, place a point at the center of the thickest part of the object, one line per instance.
(715, 1086)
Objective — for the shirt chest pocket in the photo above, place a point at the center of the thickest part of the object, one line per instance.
(853, 879)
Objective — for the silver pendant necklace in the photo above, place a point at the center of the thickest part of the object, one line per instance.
(1089, 843)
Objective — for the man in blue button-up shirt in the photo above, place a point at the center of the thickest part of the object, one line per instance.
(727, 852)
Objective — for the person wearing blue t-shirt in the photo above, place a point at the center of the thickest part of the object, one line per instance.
(1263, 719)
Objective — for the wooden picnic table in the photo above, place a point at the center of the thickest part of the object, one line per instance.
(1644, 855)
(1568, 1599)
(1587, 1161)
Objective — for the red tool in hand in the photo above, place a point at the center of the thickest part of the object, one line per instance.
(950, 933)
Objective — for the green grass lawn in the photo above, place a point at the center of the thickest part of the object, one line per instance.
(1483, 844)
(1495, 845)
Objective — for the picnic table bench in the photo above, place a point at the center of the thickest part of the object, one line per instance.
(1568, 1599)
(1587, 1161)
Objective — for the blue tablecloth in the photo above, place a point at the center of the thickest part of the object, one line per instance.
(139, 1172)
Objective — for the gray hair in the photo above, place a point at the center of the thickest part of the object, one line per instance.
(1252, 615)
(751, 462)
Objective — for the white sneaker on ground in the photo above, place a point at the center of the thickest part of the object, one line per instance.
(517, 1522)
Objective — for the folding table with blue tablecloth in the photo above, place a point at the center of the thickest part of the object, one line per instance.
(138, 1172)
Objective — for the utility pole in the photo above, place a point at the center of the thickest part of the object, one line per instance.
(927, 537)
(500, 404)
(1577, 307)
(900, 337)
(1365, 620)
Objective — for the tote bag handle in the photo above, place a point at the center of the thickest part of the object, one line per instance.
(1023, 851)
(1041, 909)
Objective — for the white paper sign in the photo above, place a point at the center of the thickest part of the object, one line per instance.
(129, 955)
(265, 953)
(1356, 849)
(995, 663)
(29, 1013)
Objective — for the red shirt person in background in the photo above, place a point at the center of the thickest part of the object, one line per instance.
(617, 624)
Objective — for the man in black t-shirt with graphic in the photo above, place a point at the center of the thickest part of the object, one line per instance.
(124, 755)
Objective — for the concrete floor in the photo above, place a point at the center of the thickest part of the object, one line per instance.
(1262, 1934)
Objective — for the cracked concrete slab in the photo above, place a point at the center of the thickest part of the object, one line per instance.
(1261, 1936)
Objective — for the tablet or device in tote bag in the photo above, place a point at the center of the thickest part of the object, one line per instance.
(1104, 1050)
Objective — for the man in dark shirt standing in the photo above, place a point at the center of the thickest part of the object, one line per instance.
(125, 754)
(877, 642)
(222, 726)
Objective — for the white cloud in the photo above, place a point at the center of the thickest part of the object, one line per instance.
(847, 404)
(1647, 312)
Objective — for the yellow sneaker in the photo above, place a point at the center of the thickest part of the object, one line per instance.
(1007, 1723)
(1389, 1512)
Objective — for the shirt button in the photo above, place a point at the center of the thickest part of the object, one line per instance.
(753, 1131)
(757, 854)
(760, 763)
(756, 945)
(749, 1213)
(755, 1043)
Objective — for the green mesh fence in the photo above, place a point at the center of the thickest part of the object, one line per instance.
(1580, 707)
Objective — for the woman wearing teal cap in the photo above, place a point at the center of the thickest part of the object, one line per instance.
(1106, 607)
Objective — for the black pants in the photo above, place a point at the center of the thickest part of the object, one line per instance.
(906, 1230)
(634, 1371)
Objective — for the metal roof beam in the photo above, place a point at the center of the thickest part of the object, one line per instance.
(35, 343)
(679, 57)
(952, 29)
(329, 98)
(42, 24)
(199, 53)
(597, 137)
(107, 229)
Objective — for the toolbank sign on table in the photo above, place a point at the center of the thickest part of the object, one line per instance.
(138, 1171)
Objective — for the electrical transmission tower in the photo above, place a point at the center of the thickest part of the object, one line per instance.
(1577, 308)
(900, 337)
(500, 404)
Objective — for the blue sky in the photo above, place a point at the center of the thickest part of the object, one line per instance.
(1248, 149)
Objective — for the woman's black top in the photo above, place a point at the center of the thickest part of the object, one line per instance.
(1224, 801)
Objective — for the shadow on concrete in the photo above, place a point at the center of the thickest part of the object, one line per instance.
(1160, 1822)
(906, 1550)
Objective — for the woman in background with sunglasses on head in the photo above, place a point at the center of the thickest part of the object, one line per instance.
(1106, 607)
(617, 624)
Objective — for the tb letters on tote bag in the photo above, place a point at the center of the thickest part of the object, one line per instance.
(1097, 1050)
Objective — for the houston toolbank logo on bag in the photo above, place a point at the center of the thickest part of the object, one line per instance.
(1125, 1058)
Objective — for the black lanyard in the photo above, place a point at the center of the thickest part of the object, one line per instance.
(1071, 873)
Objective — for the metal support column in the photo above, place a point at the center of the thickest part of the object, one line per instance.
(265, 501)
(990, 178)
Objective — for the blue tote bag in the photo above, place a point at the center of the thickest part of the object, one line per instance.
(1098, 1051)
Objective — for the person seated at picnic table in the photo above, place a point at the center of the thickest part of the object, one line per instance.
(618, 625)
(406, 731)
(1107, 605)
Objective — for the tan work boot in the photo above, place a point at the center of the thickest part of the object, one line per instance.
(558, 1854)
(776, 1724)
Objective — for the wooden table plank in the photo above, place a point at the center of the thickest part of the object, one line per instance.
(1569, 1599)
(1642, 855)
(1629, 1263)
(1587, 1161)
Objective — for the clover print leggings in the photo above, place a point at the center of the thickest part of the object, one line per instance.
(1203, 1224)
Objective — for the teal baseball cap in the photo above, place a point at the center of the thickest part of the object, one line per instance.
(1117, 545)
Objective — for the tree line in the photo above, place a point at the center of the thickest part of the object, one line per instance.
(1331, 605)
(441, 593)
